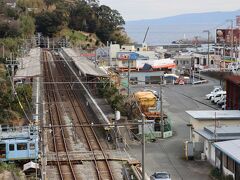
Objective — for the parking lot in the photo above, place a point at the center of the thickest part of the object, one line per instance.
(168, 154)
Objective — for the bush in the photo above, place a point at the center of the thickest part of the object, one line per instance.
(215, 172)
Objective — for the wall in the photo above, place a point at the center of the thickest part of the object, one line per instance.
(233, 96)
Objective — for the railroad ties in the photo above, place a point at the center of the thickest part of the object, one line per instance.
(64, 101)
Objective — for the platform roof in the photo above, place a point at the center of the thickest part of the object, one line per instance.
(31, 65)
(230, 148)
(85, 66)
(215, 114)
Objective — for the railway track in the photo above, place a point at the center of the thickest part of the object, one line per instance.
(78, 116)
(103, 170)
(55, 118)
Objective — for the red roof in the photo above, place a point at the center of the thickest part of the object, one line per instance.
(234, 79)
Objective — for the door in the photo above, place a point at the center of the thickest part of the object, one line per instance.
(2, 151)
(237, 171)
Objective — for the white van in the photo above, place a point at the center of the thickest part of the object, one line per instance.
(213, 92)
(218, 96)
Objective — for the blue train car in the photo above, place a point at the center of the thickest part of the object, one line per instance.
(18, 149)
(18, 143)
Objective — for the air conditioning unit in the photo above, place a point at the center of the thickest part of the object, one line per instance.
(203, 156)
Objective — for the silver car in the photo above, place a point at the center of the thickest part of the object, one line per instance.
(160, 176)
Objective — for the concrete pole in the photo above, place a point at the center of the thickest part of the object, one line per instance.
(128, 77)
(143, 147)
(231, 39)
(48, 42)
(3, 51)
(208, 47)
(208, 34)
(161, 111)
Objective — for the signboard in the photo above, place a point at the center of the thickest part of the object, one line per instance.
(238, 21)
(88, 55)
(127, 56)
(224, 36)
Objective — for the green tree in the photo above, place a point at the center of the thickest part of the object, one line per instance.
(120, 36)
(109, 21)
(49, 23)
(9, 29)
(83, 18)
(27, 26)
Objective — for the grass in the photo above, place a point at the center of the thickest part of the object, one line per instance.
(9, 167)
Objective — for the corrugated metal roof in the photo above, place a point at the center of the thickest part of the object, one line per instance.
(230, 148)
(222, 132)
(218, 114)
(234, 79)
(31, 65)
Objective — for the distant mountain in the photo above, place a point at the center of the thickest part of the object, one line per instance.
(166, 30)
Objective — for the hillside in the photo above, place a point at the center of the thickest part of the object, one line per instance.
(166, 30)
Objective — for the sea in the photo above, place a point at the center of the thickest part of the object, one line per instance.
(166, 34)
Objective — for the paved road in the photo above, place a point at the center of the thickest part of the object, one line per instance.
(167, 155)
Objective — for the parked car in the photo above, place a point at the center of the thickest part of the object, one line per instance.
(213, 92)
(222, 101)
(218, 96)
(160, 176)
(224, 107)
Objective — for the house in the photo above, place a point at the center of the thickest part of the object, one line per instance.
(210, 134)
(228, 158)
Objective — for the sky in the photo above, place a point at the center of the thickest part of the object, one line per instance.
(153, 9)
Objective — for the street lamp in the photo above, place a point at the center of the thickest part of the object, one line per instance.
(208, 33)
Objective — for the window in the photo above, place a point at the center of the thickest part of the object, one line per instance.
(204, 61)
(198, 60)
(32, 146)
(218, 153)
(22, 146)
(11, 147)
(228, 163)
(133, 80)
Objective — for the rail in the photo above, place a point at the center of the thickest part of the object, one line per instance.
(51, 96)
(102, 167)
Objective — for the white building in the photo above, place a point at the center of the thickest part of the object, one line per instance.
(210, 134)
(228, 158)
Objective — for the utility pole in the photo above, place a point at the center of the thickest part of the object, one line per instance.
(231, 40)
(231, 51)
(208, 33)
(161, 111)
(128, 77)
(3, 51)
(143, 147)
